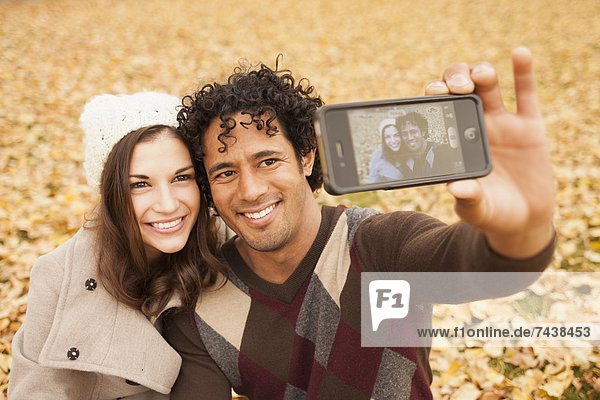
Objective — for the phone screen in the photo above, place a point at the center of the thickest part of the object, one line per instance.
(405, 142)
(394, 143)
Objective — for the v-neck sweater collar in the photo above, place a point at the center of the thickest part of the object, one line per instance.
(287, 290)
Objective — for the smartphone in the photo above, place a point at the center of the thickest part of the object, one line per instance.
(390, 144)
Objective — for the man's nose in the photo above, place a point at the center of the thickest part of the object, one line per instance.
(251, 186)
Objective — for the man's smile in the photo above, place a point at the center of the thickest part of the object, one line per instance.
(261, 213)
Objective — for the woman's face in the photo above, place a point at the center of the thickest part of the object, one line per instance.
(164, 193)
(392, 138)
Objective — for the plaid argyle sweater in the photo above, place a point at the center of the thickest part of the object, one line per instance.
(301, 339)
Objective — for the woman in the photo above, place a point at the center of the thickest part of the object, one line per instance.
(386, 161)
(92, 329)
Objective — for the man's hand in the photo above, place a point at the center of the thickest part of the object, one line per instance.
(513, 205)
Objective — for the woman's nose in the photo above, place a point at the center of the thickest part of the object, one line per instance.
(166, 201)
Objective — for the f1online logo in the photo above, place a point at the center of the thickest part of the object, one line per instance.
(389, 299)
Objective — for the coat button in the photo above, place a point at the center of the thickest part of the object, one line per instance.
(73, 353)
(91, 284)
(132, 383)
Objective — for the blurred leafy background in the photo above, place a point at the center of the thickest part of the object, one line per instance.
(56, 54)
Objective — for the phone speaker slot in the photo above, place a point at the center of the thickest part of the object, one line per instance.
(340, 149)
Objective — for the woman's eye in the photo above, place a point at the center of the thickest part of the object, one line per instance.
(183, 178)
(138, 185)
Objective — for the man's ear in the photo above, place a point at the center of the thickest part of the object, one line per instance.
(308, 161)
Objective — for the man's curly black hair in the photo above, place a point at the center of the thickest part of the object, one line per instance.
(262, 92)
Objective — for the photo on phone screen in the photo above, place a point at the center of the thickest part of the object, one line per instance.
(388, 144)
(411, 141)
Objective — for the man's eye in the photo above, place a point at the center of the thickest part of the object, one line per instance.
(224, 174)
(269, 162)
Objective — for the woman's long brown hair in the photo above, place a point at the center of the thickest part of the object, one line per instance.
(122, 264)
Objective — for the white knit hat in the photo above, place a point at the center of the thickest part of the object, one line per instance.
(386, 122)
(107, 118)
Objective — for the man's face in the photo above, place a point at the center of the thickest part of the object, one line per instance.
(412, 137)
(258, 186)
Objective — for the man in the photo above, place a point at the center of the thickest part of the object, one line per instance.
(423, 157)
(286, 323)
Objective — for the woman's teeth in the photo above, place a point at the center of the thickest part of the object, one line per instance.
(260, 214)
(166, 225)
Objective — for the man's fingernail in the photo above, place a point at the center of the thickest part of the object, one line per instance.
(436, 85)
(478, 68)
(459, 80)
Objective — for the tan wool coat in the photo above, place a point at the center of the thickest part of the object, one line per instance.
(78, 342)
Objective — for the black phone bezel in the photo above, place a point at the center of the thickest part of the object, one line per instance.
(340, 174)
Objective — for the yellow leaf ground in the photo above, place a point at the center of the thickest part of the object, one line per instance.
(55, 54)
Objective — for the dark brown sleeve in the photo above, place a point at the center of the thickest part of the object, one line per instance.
(199, 377)
(410, 241)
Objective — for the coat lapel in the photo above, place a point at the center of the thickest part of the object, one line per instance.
(93, 332)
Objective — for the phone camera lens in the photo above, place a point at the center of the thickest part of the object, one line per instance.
(471, 135)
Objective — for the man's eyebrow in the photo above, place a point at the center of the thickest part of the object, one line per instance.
(266, 153)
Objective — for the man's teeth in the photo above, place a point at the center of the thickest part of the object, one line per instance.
(260, 214)
(166, 225)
